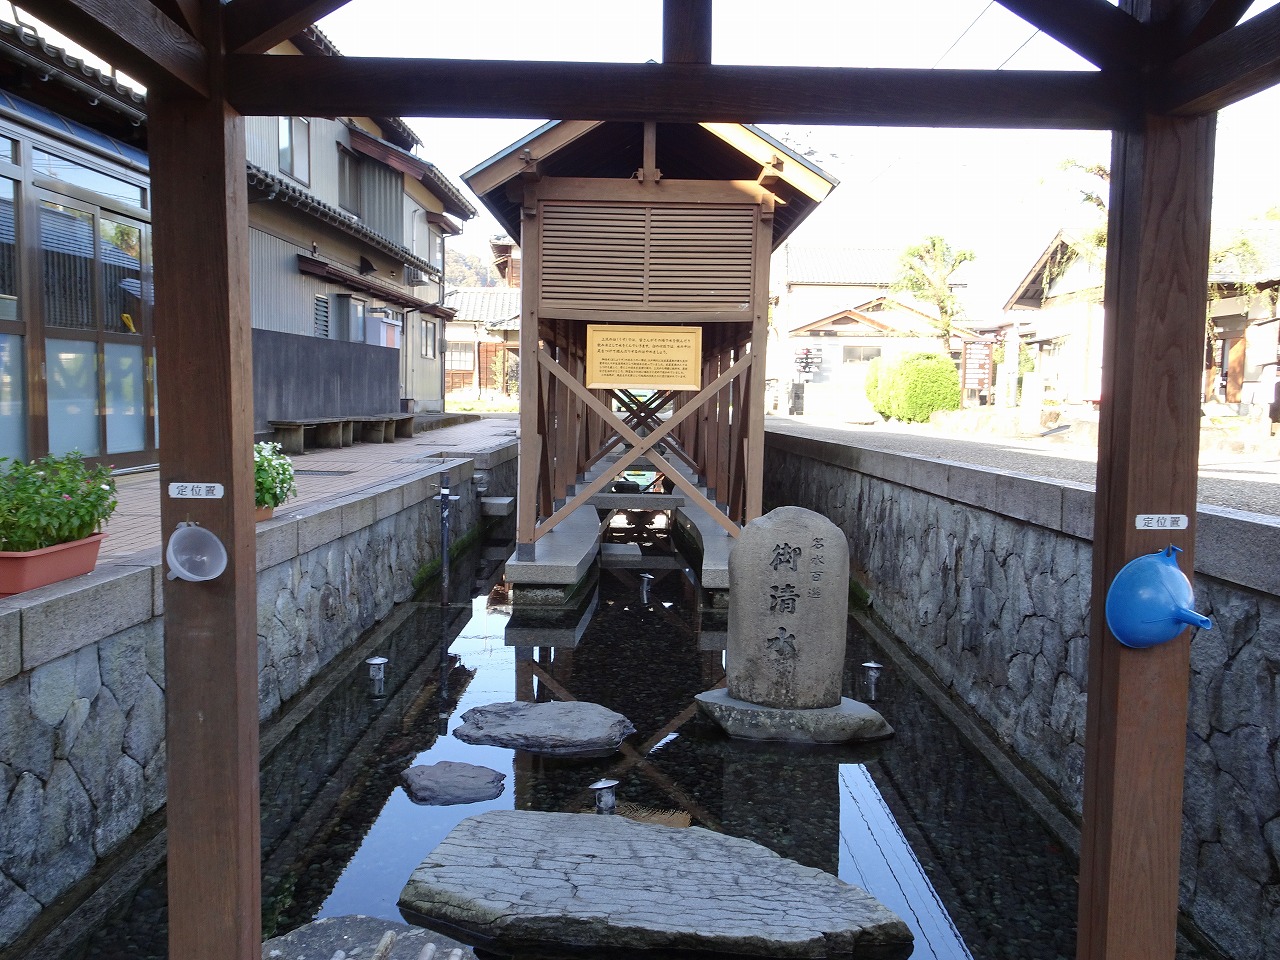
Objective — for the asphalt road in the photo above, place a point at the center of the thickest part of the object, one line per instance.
(1238, 481)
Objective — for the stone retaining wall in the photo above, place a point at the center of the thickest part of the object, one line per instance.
(82, 756)
(985, 576)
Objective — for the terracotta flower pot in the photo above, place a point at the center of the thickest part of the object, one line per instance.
(263, 513)
(27, 569)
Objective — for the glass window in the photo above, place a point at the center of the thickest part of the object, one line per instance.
(13, 403)
(8, 149)
(435, 247)
(72, 369)
(428, 339)
(66, 246)
(357, 319)
(459, 356)
(126, 397)
(68, 171)
(121, 252)
(348, 181)
(859, 354)
(8, 252)
(295, 148)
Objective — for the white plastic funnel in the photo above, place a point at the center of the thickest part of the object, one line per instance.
(195, 554)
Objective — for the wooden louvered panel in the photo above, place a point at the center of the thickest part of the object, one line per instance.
(637, 257)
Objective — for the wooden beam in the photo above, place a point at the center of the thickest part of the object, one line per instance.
(255, 26)
(1149, 429)
(133, 36)
(1239, 63)
(185, 13)
(1200, 20)
(263, 85)
(197, 150)
(686, 31)
(1104, 35)
(531, 440)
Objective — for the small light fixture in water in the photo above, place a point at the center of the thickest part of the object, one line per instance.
(872, 671)
(377, 675)
(646, 579)
(606, 799)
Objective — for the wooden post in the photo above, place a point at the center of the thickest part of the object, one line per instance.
(686, 31)
(531, 447)
(1156, 290)
(200, 209)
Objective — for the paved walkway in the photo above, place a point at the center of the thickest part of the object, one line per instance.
(1238, 481)
(320, 475)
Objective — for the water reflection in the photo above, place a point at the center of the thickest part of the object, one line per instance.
(920, 821)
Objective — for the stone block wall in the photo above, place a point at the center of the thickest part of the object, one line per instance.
(985, 576)
(82, 755)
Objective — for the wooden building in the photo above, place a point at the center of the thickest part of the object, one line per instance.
(642, 232)
(1164, 68)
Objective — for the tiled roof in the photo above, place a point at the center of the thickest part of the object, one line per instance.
(280, 190)
(853, 266)
(1256, 258)
(498, 308)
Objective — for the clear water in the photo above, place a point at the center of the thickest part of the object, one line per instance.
(920, 820)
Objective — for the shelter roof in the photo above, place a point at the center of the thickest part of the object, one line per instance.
(685, 151)
(492, 306)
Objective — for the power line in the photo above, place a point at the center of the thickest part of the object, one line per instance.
(962, 35)
(1020, 46)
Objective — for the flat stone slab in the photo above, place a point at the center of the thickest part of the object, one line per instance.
(444, 783)
(554, 727)
(358, 938)
(556, 884)
(850, 720)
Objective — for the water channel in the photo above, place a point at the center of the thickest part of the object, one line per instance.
(922, 821)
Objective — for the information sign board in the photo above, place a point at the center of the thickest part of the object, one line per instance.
(634, 357)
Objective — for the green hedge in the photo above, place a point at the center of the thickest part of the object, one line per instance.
(914, 387)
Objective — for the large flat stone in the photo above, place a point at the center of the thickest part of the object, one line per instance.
(551, 884)
(444, 783)
(848, 721)
(553, 727)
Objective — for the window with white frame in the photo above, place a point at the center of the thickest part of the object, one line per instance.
(295, 148)
(427, 338)
(460, 355)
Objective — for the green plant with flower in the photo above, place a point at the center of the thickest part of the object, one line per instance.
(272, 475)
(53, 500)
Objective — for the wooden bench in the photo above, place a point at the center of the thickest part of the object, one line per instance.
(294, 436)
(385, 428)
(325, 432)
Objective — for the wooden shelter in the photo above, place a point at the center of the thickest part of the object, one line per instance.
(645, 251)
(1164, 68)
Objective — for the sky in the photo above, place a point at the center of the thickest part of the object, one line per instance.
(1003, 194)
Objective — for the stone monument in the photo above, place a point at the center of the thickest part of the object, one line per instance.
(788, 610)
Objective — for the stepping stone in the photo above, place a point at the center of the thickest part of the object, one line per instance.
(517, 880)
(444, 783)
(849, 720)
(554, 728)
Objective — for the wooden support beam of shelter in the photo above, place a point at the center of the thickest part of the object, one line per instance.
(134, 36)
(1225, 69)
(677, 92)
(255, 26)
(210, 629)
(1105, 35)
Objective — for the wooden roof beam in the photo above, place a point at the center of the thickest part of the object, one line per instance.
(1104, 35)
(1233, 65)
(1201, 20)
(686, 31)
(262, 85)
(255, 26)
(133, 36)
(185, 13)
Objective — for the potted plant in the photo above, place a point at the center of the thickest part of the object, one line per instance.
(51, 516)
(272, 478)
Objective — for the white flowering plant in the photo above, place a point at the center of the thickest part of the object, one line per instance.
(52, 500)
(272, 475)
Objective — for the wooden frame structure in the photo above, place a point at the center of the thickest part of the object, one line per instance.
(625, 226)
(1165, 67)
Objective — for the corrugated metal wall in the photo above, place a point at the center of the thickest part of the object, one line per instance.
(282, 299)
(382, 200)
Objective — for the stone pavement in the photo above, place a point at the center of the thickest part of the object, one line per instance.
(1248, 481)
(321, 475)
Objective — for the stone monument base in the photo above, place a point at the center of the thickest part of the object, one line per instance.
(850, 721)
